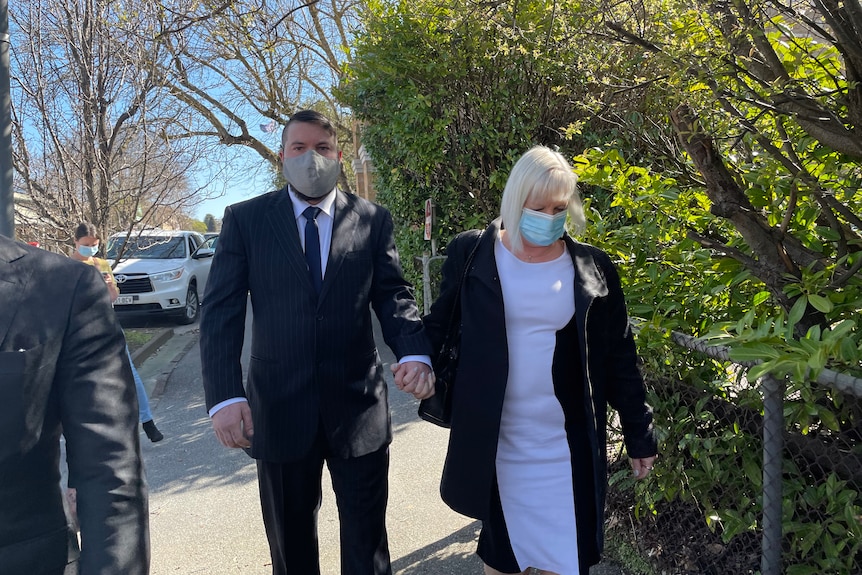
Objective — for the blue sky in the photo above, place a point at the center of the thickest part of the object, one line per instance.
(239, 175)
(227, 195)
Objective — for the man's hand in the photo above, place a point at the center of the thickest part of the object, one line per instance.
(414, 377)
(233, 426)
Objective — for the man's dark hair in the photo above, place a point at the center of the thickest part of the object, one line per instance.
(86, 229)
(311, 117)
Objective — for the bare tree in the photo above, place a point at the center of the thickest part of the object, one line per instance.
(244, 67)
(89, 124)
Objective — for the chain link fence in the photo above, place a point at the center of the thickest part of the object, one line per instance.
(796, 508)
(754, 477)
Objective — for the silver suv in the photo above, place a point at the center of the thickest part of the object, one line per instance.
(160, 271)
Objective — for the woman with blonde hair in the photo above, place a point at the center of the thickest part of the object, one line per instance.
(545, 346)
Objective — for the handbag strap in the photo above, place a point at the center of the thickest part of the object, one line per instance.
(454, 315)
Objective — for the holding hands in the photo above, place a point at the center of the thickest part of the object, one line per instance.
(414, 377)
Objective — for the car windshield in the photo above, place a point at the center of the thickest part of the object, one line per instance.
(148, 247)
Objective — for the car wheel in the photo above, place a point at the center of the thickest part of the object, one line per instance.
(190, 312)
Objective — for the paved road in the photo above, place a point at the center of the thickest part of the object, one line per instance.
(204, 510)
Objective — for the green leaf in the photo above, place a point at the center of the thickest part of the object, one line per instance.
(798, 310)
(753, 352)
(828, 418)
(841, 329)
(849, 351)
(820, 303)
(760, 297)
(758, 371)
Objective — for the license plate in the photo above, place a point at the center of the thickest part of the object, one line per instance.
(125, 300)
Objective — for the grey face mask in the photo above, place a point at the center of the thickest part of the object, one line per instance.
(311, 174)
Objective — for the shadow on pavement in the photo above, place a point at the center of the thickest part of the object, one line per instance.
(438, 557)
(190, 456)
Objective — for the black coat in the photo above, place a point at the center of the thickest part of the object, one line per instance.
(313, 359)
(63, 363)
(596, 348)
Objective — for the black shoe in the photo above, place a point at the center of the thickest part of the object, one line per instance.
(152, 431)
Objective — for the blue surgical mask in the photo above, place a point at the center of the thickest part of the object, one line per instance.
(88, 251)
(542, 229)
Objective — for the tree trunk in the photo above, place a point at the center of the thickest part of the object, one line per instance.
(769, 261)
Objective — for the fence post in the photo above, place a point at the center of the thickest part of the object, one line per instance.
(426, 283)
(773, 453)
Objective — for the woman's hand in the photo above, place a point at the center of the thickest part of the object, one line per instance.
(112, 288)
(642, 467)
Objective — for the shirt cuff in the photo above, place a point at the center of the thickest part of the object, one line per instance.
(225, 403)
(426, 359)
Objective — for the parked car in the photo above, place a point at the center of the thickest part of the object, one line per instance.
(160, 271)
(211, 241)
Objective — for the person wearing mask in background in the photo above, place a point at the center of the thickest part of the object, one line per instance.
(63, 367)
(86, 248)
(314, 261)
(545, 346)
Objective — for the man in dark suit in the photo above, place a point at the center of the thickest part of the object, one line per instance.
(63, 364)
(314, 260)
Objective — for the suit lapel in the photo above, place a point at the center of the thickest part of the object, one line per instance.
(283, 221)
(343, 231)
(13, 286)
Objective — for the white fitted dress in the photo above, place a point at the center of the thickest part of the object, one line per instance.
(534, 462)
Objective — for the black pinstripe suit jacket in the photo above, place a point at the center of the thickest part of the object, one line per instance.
(313, 359)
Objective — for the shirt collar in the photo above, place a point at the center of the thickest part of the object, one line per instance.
(326, 205)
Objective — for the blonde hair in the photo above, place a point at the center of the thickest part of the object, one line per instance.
(540, 173)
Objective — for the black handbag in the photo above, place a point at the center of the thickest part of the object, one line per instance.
(437, 409)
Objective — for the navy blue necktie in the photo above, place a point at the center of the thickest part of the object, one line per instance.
(312, 247)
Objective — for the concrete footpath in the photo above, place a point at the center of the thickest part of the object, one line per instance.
(204, 509)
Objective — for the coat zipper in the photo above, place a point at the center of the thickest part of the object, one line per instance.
(587, 360)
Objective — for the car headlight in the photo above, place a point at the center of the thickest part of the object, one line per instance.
(168, 276)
